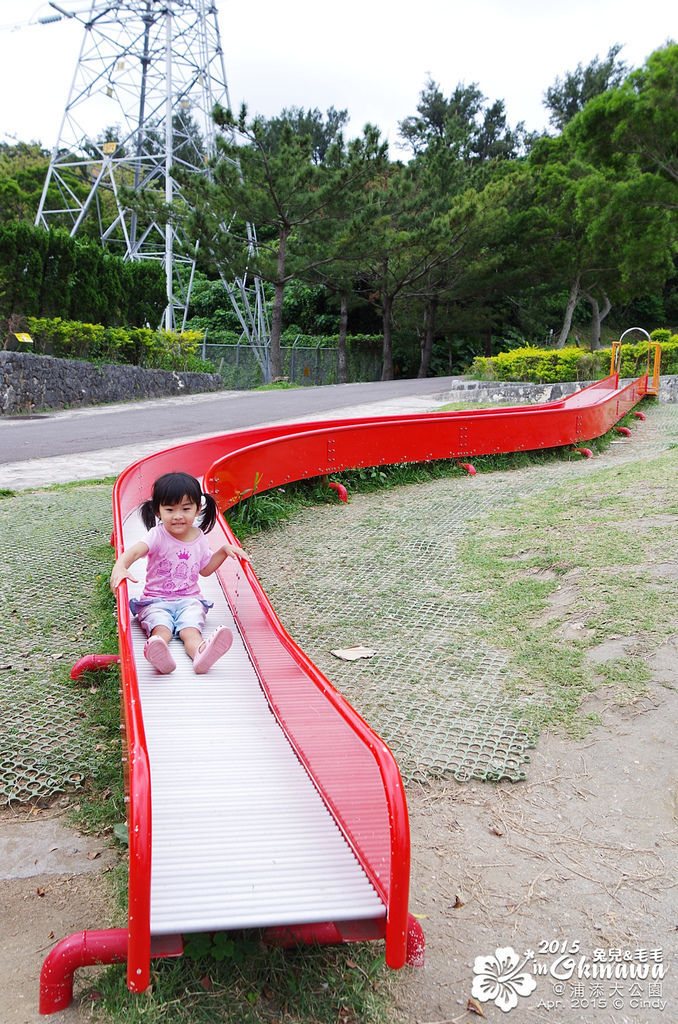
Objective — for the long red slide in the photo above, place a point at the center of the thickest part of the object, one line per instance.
(257, 796)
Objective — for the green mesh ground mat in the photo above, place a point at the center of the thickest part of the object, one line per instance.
(435, 694)
(381, 573)
(389, 582)
(48, 568)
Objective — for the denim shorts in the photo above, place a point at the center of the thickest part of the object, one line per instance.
(180, 613)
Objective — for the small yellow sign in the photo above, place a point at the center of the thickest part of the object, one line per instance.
(25, 339)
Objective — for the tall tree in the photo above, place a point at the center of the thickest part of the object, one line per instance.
(462, 125)
(600, 239)
(23, 167)
(570, 94)
(322, 131)
(276, 187)
(637, 124)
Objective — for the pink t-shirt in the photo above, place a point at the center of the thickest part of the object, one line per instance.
(173, 566)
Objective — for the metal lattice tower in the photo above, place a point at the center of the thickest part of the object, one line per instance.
(147, 78)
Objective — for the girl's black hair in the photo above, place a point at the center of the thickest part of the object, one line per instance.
(170, 489)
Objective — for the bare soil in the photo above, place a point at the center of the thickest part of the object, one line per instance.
(52, 885)
(583, 856)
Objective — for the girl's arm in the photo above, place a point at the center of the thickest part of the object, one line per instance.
(219, 556)
(122, 565)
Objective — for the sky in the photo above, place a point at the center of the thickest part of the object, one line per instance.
(371, 58)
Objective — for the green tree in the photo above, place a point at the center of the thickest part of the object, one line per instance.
(471, 133)
(283, 194)
(23, 167)
(592, 232)
(637, 124)
(567, 96)
(413, 245)
(321, 131)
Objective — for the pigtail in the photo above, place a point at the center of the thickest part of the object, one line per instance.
(148, 516)
(208, 516)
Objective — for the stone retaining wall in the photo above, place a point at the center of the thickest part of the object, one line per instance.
(521, 394)
(29, 383)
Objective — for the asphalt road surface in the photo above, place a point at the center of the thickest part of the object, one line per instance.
(103, 427)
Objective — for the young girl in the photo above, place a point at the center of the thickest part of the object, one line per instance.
(178, 552)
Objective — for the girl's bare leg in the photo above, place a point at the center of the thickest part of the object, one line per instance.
(191, 638)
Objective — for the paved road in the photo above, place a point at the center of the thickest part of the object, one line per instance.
(102, 427)
(84, 444)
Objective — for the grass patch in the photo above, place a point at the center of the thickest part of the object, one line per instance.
(239, 980)
(596, 541)
(470, 406)
(104, 481)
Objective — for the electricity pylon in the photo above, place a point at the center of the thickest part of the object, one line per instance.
(147, 79)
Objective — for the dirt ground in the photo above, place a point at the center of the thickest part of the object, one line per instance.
(52, 884)
(571, 875)
(582, 857)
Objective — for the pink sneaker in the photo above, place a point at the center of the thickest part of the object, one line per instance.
(212, 649)
(158, 653)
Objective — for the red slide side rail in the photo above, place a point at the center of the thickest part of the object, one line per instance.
(352, 768)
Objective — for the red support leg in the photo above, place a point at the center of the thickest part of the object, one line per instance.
(340, 489)
(82, 949)
(91, 662)
(416, 943)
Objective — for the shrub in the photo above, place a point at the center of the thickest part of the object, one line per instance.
(548, 366)
(139, 346)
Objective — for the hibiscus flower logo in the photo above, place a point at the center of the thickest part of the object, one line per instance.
(502, 978)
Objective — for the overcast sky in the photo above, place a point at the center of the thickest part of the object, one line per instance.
(372, 58)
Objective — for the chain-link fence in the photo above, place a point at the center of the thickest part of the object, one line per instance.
(303, 365)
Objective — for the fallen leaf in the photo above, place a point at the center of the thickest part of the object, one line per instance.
(94, 854)
(353, 653)
(474, 1007)
(41, 892)
(206, 982)
(496, 831)
(51, 935)
(458, 902)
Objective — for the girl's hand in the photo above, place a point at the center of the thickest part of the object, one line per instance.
(118, 575)
(235, 551)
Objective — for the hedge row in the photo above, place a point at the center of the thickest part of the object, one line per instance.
(48, 273)
(137, 346)
(550, 366)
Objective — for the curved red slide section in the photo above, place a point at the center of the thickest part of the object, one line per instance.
(351, 766)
